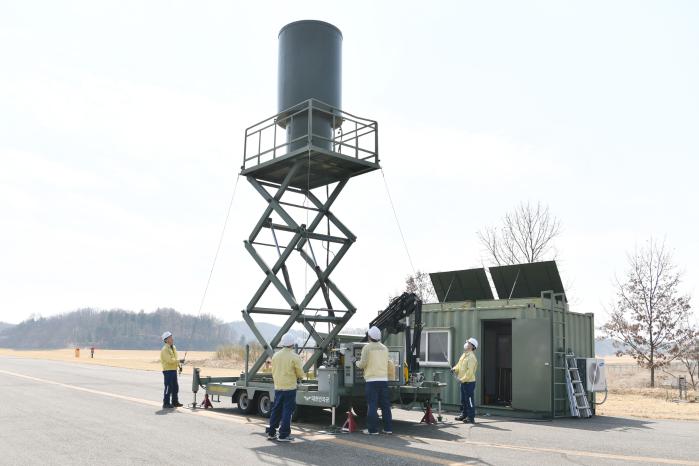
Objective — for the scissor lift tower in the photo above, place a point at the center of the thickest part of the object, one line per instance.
(311, 143)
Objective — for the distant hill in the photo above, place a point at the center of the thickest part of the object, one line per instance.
(605, 347)
(4, 326)
(118, 329)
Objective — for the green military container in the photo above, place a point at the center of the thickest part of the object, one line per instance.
(523, 337)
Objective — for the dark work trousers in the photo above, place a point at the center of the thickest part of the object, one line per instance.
(377, 397)
(468, 404)
(282, 409)
(171, 387)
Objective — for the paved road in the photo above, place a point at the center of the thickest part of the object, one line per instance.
(63, 413)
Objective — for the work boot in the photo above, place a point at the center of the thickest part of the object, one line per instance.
(177, 404)
(460, 418)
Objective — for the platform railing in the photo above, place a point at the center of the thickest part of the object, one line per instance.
(352, 136)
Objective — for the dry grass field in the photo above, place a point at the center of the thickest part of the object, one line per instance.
(630, 394)
(136, 359)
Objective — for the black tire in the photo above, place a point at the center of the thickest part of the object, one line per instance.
(264, 404)
(245, 404)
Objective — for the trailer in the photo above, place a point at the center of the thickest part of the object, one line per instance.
(338, 383)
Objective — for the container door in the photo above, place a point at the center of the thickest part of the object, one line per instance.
(531, 364)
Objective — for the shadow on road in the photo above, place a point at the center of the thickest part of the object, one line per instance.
(163, 411)
(356, 448)
(312, 439)
(443, 431)
(314, 422)
(595, 424)
(489, 425)
(604, 423)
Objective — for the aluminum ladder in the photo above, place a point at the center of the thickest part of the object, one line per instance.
(577, 398)
(559, 372)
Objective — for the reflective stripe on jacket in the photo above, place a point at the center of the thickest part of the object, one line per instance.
(286, 369)
(375, 362)
(466, 367)
(168, 358)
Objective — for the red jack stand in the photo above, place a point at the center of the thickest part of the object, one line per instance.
(206, 403)
(350, 424)
(428, 418)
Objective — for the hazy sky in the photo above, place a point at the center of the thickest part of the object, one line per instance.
(121, 135)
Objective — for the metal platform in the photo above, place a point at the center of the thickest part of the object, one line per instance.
(330, 145)
(319, 167)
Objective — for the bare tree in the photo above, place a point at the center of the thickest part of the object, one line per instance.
(687, 352)
(526, 235)
(421, 285)
(650, 316)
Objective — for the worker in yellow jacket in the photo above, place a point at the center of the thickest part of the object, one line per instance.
(465, 371)
(287, 368)
(170, 364)
(378, 368)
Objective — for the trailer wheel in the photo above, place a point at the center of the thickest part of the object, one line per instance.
(245, 404)
(264, 404)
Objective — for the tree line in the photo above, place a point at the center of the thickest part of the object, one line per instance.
(118, 329)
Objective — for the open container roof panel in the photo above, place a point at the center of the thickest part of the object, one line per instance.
(461, 285)
(526, 280)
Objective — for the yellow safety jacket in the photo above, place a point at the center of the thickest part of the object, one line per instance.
(168, 358)
(466, 368)
(375, 362)
(287, 368)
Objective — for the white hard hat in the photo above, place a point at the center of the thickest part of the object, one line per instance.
(166, 335)
(374, 333)
(473, 341)
(288, 340)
